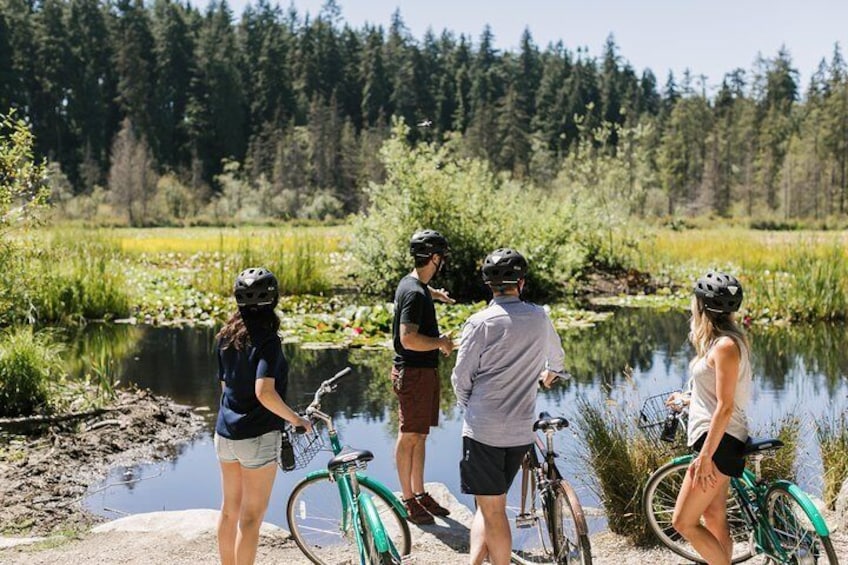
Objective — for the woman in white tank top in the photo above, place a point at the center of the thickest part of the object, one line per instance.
(718, 428)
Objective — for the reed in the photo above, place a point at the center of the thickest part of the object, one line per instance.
(832, 433)
(621, 460)
(783, 463)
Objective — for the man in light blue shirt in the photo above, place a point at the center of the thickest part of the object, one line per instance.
(504, 352)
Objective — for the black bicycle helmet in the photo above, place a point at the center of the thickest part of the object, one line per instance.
(427, 242)
(504, 266)
(720, 292)
(256, 288)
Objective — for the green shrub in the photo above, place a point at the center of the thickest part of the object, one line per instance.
(833, 440)
(429, 187)
(621, 460)
(28, 363)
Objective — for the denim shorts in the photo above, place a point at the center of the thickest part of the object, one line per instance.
(251, 453)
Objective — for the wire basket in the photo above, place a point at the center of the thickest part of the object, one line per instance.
(661, 425)
(298, 450)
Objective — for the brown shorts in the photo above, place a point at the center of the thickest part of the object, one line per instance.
(417, 389)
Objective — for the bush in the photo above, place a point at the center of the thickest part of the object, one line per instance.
(622, 460)
(28, 363)
(429, 187)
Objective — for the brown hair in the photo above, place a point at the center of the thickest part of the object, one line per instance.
(238, 331)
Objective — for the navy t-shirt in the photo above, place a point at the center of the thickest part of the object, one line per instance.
(241, 415)
(414, 305)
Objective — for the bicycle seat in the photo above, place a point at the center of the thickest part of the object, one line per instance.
(348, 457)
(546, 422)
(759, 445)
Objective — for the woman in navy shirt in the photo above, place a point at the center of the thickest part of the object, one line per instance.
(254, 374)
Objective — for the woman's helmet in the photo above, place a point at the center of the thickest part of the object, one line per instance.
(720, 292)
(256, 288)
(504, 266)
(427, 242)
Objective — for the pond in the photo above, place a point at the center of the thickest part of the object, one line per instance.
(634, 354)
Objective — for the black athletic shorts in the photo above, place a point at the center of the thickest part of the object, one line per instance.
(729, 458)
(487, 470)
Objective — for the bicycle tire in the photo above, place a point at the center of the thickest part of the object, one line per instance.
(314, 515)
(381, 551)
(568, 528)
(658, 503)
(534, 543)
(793, 525)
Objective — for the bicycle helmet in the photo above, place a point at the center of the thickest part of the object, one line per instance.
(256, 288)
(427, 242)
(720, 292)
(504, 266)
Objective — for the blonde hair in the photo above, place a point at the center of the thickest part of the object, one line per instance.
(705, 327)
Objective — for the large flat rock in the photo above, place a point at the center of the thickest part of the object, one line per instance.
(189, 524)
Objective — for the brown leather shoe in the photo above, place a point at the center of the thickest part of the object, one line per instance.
(417, 514)
(431, 505)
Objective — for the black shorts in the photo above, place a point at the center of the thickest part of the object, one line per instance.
(729, 457)
(487, 470)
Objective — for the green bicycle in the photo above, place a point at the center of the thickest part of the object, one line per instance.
(339, 514)
(775, 519)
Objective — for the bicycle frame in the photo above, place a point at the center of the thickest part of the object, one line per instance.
(348, 484)
(750, 493)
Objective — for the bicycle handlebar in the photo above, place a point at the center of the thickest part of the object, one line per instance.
(327, 386)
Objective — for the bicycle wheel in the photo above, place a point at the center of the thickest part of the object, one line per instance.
(539, 539)
(568, 529)
(324, 533)
(658, 505)
(793, 527)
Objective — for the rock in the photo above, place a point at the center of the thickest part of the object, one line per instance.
(842, 506)
(14, 542)
(190, 524)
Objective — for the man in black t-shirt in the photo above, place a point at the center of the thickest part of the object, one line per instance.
(417, 343)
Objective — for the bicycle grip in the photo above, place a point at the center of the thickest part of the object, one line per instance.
(343, 373)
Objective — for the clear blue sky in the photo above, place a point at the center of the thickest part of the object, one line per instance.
(710, 37)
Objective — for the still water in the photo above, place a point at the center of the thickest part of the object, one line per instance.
(636, 353)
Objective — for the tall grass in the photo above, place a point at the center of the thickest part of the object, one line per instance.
(782, 464)
(832, 433)
(300, 265)
(622, 460)
(28, 364)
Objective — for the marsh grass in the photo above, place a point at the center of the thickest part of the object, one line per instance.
(29, 363)
(832, 434)
(621, 460)
(783, 463)
(788, 276)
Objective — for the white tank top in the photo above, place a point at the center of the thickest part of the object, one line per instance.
(704, 400)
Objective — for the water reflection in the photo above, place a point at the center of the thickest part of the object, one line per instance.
(636, 353)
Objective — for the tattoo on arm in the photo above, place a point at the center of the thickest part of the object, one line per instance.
(408, 329)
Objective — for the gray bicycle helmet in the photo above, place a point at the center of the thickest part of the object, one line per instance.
(504, 266)
(256, 288)
(720, 292)
(427, 242)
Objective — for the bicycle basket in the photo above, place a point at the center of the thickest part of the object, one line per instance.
(307, 445)
(660, 425)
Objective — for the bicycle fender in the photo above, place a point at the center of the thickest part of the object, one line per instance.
(375, 486)
(683, 459)
(579, 517)
(804, 500)
(381, 540)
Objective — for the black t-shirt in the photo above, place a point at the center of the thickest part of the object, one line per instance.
(241, 415)
(414, 305)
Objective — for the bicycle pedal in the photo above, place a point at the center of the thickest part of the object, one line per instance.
(525, 521)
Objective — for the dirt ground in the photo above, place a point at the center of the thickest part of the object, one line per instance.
(45, 471)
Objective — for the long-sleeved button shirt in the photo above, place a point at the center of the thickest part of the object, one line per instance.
(501, 353)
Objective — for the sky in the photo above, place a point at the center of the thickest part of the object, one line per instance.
(710, 37)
